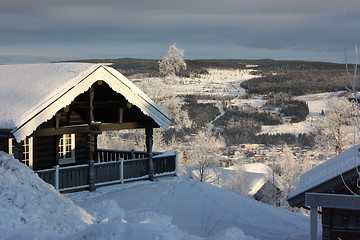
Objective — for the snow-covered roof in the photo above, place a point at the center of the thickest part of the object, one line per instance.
(326, 171)
(30, 94)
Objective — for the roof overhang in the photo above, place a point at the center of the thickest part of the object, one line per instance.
(119, 83)
(325, 187)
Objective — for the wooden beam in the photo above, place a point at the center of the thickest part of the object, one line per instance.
(106, 104)
(85, 128)
(5, 133)
(121, 114)
(120, 126)
(61, 130)
(57, 119)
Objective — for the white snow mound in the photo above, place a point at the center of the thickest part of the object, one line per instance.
(28, 203)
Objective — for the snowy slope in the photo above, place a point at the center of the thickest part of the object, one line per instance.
(28, 204)
(171, 208)
(196, 208)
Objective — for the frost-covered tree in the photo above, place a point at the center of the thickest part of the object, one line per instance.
(204, 153)
(161, 93)
(290, 169)
(238, 181)
(336, 128)
(173, 62)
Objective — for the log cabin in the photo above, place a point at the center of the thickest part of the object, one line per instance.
(51, 115)
(333, 189)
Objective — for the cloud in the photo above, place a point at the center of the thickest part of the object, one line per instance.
(208, 27)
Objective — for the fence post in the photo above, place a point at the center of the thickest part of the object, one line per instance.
(132, 154)
(57, 175)
(121, 170)
(176, 162)
(313, 223)
(91, 175)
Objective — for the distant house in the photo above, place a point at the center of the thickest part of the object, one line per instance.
(269, 193)
(261, 183)
(51, 115)
(339, 176)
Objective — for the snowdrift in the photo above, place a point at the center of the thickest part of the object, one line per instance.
(194, 210)
(170, 208)
(29, 204)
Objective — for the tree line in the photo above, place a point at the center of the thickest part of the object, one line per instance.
(298, 82)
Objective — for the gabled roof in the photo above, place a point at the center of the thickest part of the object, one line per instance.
(31, 94)
(327, 175)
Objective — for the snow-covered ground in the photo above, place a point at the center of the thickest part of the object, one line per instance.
(170, 208)
(317, 103)
(293, 128)
(320, 102)
(219, 82)
(249, 177)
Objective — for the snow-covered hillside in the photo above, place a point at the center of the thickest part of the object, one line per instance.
(317, 103)
(28, 205)
(195, 208)
(171, 208)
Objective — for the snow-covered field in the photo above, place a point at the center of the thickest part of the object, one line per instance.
(170, 208)
(317, 103)
(320, 102)
(219, 82)
(222, 82)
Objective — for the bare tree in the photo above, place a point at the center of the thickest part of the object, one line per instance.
(173, 62)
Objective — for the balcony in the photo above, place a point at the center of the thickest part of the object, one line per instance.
(111, 167)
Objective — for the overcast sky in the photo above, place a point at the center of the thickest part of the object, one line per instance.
(52, 30)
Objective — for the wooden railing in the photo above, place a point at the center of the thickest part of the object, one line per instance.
(107, 155)
(110, 170)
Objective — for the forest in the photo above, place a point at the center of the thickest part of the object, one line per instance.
(277, 75)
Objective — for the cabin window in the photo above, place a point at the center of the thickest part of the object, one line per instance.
(27, 151)
(67, 149)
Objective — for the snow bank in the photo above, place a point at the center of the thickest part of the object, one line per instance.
(193, 210)
(31, 205)
(170, 208)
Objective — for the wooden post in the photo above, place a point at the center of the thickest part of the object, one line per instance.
(18, 150)
(121, 170)
(149, 145)
(57, 150)
(132, 155)
(91, 146)
(91, 105)
(176, 163)
(57, 175)
(313, 223)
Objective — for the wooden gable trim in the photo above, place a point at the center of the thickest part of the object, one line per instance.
(114, 79)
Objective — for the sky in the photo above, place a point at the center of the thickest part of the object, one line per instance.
(34, 31)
